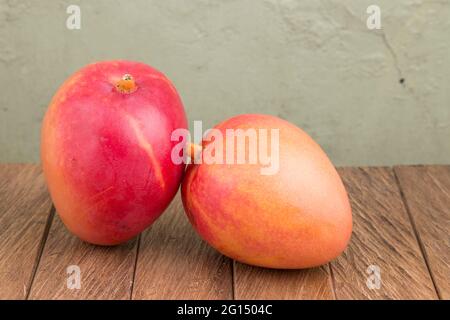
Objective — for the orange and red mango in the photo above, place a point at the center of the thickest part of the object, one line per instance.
(106, 149)
(299, 217)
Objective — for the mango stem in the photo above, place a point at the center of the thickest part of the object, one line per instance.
(126, 85)
(193, 150)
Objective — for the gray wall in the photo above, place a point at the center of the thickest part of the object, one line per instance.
(312, 62)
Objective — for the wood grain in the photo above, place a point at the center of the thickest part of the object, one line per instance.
(174, 263)
(24, 210)
(261, 283)
(106, 272)
(426, 190)
(383, 237)
(394, 229)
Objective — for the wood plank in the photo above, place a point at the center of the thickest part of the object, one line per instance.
(106, 272)
(261, 283)
(174, 263)
(24, 210)
(426, 190)
(383, 237)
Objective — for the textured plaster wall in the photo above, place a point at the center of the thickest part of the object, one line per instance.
(314, 63)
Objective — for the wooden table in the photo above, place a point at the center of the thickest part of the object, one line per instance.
(401, 228)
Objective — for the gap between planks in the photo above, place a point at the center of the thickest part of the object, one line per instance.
(24, 211)
(135, 266)
(332, 281)
(41, 248)
(416, 233)
(383, 239)
(426, 191)
(174, 263)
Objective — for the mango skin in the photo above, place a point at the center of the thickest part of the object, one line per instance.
(298, 218)
(106, 154)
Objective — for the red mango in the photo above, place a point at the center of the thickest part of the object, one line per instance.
(297, 217)
(106, 149)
